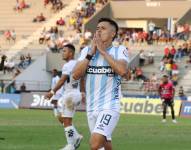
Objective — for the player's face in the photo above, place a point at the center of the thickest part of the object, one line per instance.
(164, 79)
(105, 31)
(66, 53)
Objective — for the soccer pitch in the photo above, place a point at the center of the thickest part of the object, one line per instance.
(39, 130)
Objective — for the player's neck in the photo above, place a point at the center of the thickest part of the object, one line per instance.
(108, 44)
(70, 58)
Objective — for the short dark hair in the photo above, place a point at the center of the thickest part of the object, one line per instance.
(71, 47)
(165, 76)
(111, 22)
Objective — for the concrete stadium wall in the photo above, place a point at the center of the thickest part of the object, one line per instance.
(54, 61)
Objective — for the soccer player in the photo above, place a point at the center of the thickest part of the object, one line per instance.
(58, 95)
(166, 93)
(71, 98)
(102, 65)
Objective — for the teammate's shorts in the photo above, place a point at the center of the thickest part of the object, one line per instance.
(168, 102)
(68, 102)
(103, 122)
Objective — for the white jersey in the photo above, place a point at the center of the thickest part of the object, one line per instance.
(103, 89)
(67, 69)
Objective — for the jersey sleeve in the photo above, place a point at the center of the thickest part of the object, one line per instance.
(83, 53)
(65, 70)
(123, 53)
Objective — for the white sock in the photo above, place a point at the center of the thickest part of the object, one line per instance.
(102, 148)
(55, 112)
(70, 134)
(75, 131)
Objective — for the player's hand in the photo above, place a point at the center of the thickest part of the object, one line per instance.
(93, 46)
(100, 45)
(48, 96)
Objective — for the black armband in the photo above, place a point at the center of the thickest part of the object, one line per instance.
(89, 57)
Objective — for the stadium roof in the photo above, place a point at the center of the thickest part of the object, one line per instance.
(143, 9)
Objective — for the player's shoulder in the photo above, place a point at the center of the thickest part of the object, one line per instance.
(70, 63)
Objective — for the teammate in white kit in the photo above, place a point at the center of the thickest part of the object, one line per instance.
(59, 93)
(103, 66)
(71, 98)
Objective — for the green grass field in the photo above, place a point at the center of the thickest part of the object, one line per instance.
(39, 130)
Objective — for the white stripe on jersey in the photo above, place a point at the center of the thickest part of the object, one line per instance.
(102, 84)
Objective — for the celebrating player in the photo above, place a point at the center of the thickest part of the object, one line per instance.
(166, 93)
(102, 65)
(71, 98)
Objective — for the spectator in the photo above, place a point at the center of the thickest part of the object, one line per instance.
(13, 35)
(153, 78)
(2, 64)
(42, 36)
(181, 91)
(39, 18)
(151, 27)
(139, 74)
(23, 87)
(12, 88)
(168, 67)
(142, 58)
(60, 22)
(151, 57)
(166, 51)
(28, 59)
(7, 35)
(17, 7)
(9, 66)
(174, 79)
(2, 85)
(175, 68)
(178, 54)
(17, 72)
(46, 2)
(22, 62)
(172, 52)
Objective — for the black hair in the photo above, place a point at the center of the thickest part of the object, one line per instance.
(71, 47)
(165, 76)
(111, 22)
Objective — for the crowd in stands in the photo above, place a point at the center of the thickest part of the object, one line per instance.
(10, 35)
(55, 39)
(10, 66)
(56, 5)
(39, 18)
(157, 36)
(20, 5)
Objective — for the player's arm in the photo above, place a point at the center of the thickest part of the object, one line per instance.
(81, 67)
(82, 89)
(119, 66)
(59, 84)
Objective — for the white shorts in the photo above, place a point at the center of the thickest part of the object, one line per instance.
(68, 102)
(103, 122)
